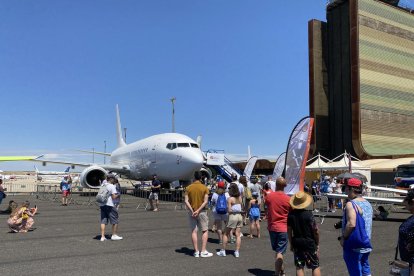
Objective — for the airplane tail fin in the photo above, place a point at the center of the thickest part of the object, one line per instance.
(121, 142)
(199, 138)
(249, 154)
(67, 169)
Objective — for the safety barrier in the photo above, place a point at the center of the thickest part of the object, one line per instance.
(131, 197)
(321, 207)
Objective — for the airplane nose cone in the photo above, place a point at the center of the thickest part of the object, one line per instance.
(194, 160)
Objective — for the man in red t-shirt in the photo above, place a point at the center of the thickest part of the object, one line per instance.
(278, 208)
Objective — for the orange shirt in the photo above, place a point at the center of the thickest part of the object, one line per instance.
(196, 192)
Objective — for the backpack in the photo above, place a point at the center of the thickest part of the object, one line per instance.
(103, 194)
(221, 205)
(254, 211)
(324, 187)
(248, 193)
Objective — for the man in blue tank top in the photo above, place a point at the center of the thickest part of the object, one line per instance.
(356, 259)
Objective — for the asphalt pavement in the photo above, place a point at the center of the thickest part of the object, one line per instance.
(66, 242)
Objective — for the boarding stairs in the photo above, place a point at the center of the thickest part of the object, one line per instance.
(227, 170)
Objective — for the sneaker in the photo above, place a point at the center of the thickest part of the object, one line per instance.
(221, 253)
(206, 254)
(316, 211)
(116, 238)
(196, 254)
(103, 238)
(236, 254)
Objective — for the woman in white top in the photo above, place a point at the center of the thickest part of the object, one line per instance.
(218, 218)
(234, 208)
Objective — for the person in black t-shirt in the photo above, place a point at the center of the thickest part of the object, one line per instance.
(303, 234)
(155, 191)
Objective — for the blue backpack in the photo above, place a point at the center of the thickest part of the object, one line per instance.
(254, 211)
(221, 205)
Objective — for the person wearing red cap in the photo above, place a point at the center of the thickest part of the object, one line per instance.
(219, 218)
(356, 259)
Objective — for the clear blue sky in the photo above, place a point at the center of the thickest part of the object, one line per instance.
(238, 68)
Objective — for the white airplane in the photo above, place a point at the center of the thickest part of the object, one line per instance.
(172, 156)
(51, 172)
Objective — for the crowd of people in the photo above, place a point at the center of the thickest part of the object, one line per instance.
(290, 221)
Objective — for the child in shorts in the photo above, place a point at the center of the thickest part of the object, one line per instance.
(254, 215)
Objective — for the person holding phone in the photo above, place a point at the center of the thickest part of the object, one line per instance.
(21, 220)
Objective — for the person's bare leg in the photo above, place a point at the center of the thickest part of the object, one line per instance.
(114, 229)
(204, 239)
(279, 263)
(238, 238)
(316, 272)
(258, 228)
(194, 238)
(102, 230)
(300, 272)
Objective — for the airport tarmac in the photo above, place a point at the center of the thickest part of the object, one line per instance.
(157, 243)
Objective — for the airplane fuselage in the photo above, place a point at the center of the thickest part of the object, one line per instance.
(172, 156)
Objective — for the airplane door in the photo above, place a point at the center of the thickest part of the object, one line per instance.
(154, 154)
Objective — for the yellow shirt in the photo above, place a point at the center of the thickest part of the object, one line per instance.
(196, 192)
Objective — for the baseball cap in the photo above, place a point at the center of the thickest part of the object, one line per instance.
(354, 182)
(220, 184)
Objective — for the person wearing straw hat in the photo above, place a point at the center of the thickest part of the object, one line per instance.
(356, 260)
(303, 234)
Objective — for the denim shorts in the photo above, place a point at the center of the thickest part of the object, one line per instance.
(279, 241)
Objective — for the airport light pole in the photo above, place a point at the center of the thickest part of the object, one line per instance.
(104, 151)
(93, 155)
(173, 113)
(125, 129)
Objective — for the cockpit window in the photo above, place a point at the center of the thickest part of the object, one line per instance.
(183, 145)
(171, 146)
(194, 145)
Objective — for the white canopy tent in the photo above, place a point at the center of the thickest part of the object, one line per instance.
(341, 164)
(316, 163)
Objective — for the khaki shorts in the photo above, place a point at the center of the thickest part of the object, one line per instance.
(235, 221)
(200, 222)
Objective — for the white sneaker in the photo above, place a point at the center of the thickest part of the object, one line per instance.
(116, 238)
(206, 254)
(221, 253)
(236, 254)
(103, 238)
(196, 254)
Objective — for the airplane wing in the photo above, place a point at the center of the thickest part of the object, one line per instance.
(17, 158)
(123, 169)
(399, 191)
(370, 198)
(96, 152)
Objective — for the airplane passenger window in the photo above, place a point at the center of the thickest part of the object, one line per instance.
(194, 145)
(183, 145)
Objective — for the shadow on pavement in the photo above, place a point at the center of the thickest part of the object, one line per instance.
(261, 272)
(185, 250)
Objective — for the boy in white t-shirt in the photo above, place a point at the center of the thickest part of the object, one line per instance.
(109, 213)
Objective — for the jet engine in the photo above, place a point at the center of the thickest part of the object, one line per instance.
(92, 176)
